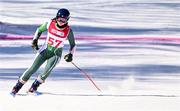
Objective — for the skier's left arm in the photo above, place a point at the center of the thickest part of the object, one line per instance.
(69, 56)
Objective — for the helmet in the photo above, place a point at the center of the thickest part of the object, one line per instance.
(63, 13)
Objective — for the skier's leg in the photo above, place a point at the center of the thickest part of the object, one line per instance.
(39, 60)
(51, 63)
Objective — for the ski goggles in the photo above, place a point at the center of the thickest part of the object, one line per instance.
(63, 20)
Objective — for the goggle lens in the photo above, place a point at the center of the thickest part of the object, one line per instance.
(63, 20)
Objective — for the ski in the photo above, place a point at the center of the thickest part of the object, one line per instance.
(36, 93)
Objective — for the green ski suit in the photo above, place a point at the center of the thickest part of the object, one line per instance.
(51, 51)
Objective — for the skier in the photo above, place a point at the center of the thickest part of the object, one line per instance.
(58, 31)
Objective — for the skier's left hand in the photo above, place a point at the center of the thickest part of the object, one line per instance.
(68, 57)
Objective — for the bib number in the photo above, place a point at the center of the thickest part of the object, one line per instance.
(54, 42)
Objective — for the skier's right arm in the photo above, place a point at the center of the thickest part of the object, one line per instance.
(37, 35)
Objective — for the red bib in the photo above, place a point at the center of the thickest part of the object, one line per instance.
(56, 36)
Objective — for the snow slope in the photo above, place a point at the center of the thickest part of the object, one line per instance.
(100, 17)
(133, 74)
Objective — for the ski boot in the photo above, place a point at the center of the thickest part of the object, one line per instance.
(16, 88)
(34, 86)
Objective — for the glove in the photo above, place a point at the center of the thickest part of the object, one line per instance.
(68, 57)
(35, 44)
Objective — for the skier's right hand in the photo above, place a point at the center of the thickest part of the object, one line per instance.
(35, 44)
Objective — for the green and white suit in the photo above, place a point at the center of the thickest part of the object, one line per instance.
(52, 49)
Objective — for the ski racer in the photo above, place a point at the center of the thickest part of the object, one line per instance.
(58, 31)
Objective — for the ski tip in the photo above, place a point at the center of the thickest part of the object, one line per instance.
(12, 94)
(36, 93)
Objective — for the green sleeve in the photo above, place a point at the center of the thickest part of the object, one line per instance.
(71, 40)
(39, 30)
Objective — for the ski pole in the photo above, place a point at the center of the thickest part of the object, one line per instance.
(86, 75)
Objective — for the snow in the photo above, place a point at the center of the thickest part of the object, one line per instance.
(131, 77)
(77, 95)
(134, 75)
(100, 17)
